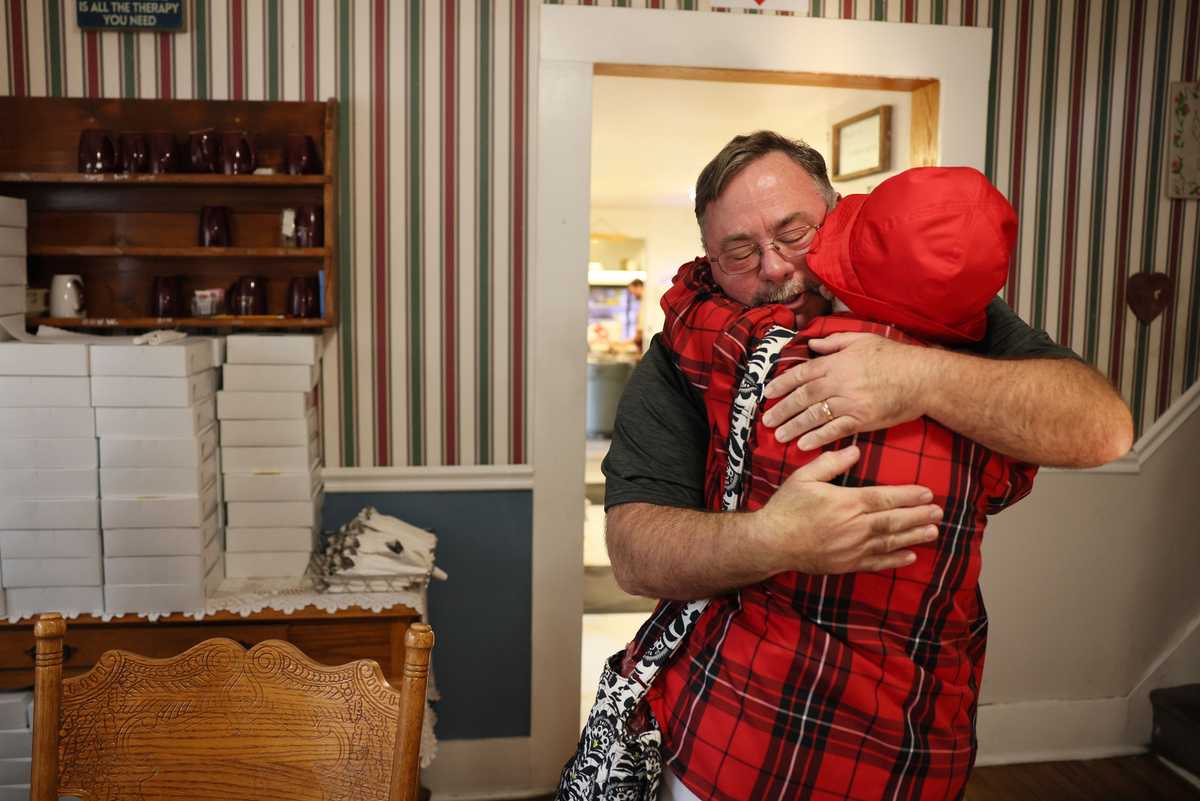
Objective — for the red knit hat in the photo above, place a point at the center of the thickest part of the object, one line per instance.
(925, 251)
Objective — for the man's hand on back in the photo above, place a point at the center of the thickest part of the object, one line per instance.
(820, 528)
(808, 525)
(869, 383)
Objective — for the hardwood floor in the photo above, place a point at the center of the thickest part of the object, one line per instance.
(1137, 778)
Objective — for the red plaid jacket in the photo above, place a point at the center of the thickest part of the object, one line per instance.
(862, 686)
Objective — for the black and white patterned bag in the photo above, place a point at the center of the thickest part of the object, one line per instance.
(619, 757)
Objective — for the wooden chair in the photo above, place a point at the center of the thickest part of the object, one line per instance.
(222, 722)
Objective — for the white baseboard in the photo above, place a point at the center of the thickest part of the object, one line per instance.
(1050, 731)
(466, 770)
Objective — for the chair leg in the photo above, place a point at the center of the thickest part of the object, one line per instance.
(418, 640)
(48, 633)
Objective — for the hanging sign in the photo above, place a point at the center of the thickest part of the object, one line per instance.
(130, 15)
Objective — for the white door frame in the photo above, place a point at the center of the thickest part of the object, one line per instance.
(572, 40)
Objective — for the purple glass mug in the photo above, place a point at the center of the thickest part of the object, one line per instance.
(310, 227)
(237, 153)
(135, 156)
(203, 150)
(164, 157)
(300, 155)
(214, 227)
(248, 295)
(97, 153)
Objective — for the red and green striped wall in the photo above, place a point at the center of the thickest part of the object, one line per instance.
(432, 348)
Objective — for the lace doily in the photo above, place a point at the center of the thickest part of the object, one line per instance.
(247, 596)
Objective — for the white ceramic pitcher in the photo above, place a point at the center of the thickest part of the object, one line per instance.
(66, 296)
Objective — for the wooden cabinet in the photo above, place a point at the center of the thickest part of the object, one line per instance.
(331, 638)
(121, 231)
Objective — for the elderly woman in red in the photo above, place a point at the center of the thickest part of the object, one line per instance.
(861, 685)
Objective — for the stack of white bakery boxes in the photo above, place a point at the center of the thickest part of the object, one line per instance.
(270, 454)
(155, 419)
(13, 222)
(49, 511)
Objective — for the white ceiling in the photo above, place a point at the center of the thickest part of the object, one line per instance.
(651, 137)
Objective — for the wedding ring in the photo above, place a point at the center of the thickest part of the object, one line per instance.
(827, 411)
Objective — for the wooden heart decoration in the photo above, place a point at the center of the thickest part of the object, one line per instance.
(1148, 294)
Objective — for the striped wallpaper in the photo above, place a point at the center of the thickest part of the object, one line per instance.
(433, 237)
(1077, 123)
(436, 114)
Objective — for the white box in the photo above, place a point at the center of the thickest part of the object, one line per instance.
(160, 512)
(40, 483)
(157, 569)
(13, 706)
(24, 391)
(260, 514)
(24, 602)
(13, 212)
(266, 564)
(141, 392)
(218, 350)
(55, 513)
(49, 544)
(161, 541)
(270, 377)
(135, 598)
(13, 241)
(185, 421)
(268, 433)
(253, 540)
(47, 422)
(12, 299)
(78, 453)
(16, 743)
(264, 405)
(297, 459)
(180, 358)
(159, 452)
(272, 349)
(15, 771)
(121, 599)
(56, 572)
(143, 481)
(270, 486)
(13, 270)
(43, 358)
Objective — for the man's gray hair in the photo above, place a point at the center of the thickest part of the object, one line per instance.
(744, 150)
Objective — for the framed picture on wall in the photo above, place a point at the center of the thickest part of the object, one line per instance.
(862, 144)
(1183, 141)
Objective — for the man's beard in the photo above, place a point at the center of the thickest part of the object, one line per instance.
(781, 293)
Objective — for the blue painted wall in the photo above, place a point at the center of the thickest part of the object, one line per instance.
(481, 615)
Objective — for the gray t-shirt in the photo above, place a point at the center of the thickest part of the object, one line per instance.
(660, 437)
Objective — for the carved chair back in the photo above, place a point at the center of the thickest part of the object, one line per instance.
(222, 722)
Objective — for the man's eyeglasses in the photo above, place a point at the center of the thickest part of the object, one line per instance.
(746, 256)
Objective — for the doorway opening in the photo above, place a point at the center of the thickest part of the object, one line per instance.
(653, 130)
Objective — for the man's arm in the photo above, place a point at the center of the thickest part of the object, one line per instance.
(1050, 411)
(808, 526)
(663, 546)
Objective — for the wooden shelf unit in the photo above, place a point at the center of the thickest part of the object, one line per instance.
(113, 251)
(170, 179)
(216, 321)
(121, 231)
